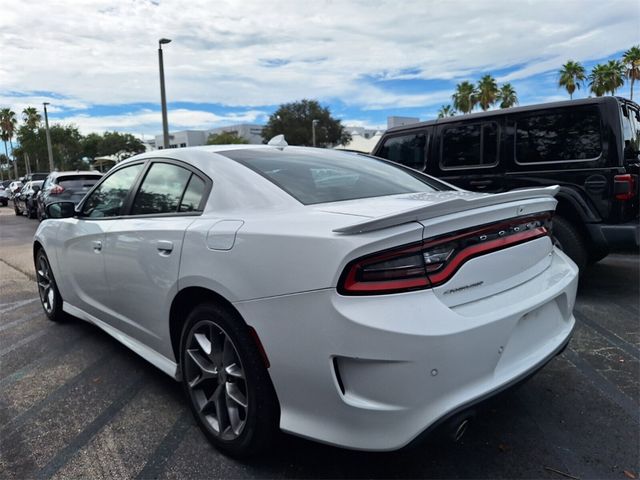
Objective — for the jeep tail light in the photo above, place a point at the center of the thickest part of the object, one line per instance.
(56, 190)
(434, 261)
(624, 186)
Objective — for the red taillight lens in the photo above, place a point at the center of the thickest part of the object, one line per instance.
(434, 261)
(624, 186)
(56, 190)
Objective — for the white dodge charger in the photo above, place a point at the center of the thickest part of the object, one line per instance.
(335, 296)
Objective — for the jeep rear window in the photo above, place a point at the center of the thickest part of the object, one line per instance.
(327, 176)
(562, 135)
(469, 146)
(406, 149)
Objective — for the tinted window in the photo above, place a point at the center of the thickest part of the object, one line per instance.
(107, 200)
(465, 146)
(631, 132)
(562, 135)
(407, 150)
(192, 195)
(78, 182)
(326, 176)
(161, 189)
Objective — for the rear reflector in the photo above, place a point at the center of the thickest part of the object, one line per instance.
(434, 261)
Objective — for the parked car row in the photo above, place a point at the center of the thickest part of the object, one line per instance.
(41, 189)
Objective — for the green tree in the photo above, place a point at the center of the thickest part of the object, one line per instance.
(446, 111)
(225, 138)
(507, 96)
(598, 80)
(631, 60)
(607, 78)
(8, 124)
(120, 145)
(465, 97)
(31, 120)
(572, 74)
(487, 92)
(294, 121)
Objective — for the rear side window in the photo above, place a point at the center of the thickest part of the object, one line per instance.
(469, 146)
(161, 189)
(563, 135)
(192, 195)
(408, 150)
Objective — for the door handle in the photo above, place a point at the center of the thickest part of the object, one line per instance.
(97, 246)
(165, 247)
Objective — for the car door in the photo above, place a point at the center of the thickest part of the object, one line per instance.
(81, 242)
(142, 250)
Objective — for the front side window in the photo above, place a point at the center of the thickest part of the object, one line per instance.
(108, 199)
(469, 146)
(569, 134)
(161, 190)
(406, 149)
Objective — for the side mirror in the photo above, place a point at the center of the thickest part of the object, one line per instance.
(35, 189)
(60, 210)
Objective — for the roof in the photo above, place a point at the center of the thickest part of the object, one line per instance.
(505, 111)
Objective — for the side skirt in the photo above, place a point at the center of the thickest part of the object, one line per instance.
(160, 361)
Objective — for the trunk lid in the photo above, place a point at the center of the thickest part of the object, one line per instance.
(487, 243)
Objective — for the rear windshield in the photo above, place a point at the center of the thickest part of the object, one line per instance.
(327, 176)
(78, 182)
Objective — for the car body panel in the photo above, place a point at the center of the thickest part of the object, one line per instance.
(278, 264)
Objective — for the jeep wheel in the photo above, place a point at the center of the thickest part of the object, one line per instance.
(569, 239)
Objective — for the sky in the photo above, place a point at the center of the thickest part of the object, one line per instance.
(236, 61)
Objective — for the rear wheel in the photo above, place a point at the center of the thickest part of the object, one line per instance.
(227, 383)
(17, 210)
(569, 239)
(47, 289)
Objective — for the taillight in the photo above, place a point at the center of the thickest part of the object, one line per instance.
(434, 261)
(624, 186)
(56, 190)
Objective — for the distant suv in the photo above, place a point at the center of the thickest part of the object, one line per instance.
(69, 186)
(589, 147)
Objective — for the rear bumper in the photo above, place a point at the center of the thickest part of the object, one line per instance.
(624, 235)
(374, 372)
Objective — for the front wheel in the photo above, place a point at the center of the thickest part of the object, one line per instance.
(227, 383)
(47, 289)
(569, 239)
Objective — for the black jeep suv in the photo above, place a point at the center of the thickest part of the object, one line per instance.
(589, 147)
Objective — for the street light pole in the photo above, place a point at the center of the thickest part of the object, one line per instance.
(49, 149)
(163, 96)
(313, 131)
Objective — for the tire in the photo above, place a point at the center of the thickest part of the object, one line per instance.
(31, 214)
(569, 239)
(48, 289)
(243, 421)
(17, 211)
(597, 253)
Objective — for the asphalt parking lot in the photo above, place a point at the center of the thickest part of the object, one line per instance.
(75, 403)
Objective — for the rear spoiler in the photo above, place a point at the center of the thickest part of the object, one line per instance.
(449, 206)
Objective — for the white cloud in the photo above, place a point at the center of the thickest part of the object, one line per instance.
(251, 53)
(148, 121)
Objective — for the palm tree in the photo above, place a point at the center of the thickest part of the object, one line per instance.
(572, 75)
(615, 73)
(631, 59)
(446, 111)
(606, 78)
(8, 123)
(487, 92)
(507, 96)
(465, 97)
(31, 118)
